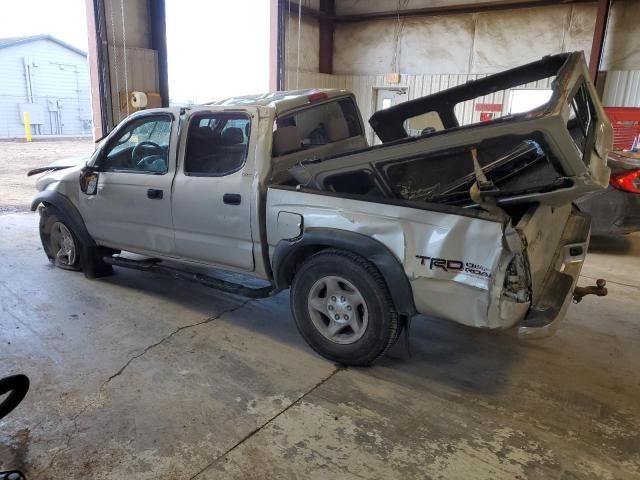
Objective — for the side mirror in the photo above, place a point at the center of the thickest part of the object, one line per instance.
(89, 181)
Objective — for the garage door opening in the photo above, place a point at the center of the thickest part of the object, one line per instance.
(216, 49)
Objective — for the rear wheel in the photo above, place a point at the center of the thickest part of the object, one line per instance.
(342, 307)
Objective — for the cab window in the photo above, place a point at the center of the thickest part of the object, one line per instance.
(141, 147)
(315, 126)
(217, 144)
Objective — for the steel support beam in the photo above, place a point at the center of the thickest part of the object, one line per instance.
(599, 31)
(276, 45)
(328, 8)
(159, 43)
(99, 69)
(437, 11)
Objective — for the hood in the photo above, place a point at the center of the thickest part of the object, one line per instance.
(61, 164)
(59, 173)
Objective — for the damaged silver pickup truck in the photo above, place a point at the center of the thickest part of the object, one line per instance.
(471, 223)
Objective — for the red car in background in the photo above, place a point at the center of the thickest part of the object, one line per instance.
(617, 209)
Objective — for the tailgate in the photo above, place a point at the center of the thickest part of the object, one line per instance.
(557, 240)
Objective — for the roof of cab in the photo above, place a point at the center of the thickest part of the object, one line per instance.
(286, 100)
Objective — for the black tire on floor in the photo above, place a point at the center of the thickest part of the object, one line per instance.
(354, 273)
(16, 386)
(87, 259)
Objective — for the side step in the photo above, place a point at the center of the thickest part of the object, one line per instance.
(153, 265)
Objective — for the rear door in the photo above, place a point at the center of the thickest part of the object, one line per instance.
(131, 209)
(213, 188)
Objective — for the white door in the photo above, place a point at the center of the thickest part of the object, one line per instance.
(131, 209)
(214, 188)
(385, 98)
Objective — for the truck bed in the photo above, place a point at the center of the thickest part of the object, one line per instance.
(465, 265)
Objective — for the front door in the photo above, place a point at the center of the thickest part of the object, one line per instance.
(131, 209)
(214, 188)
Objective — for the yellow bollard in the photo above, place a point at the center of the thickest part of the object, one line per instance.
(27, 126)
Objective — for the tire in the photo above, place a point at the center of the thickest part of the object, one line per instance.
(16, 386)
(64, 249)
(59, 241)
(363, 322)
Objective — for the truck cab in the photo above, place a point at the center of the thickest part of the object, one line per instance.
(186, 184)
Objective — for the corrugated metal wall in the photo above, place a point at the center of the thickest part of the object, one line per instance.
(363, 86)
(622, 89)
(59, 102)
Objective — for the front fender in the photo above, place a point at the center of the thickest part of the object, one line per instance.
(68, 211)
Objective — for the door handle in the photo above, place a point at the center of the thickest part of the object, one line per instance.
(231, 198)
(154, 194)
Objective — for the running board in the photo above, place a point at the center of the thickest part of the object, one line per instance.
(153, 265)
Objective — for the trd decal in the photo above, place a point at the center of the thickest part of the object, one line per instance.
(446, 265)
(454, 266)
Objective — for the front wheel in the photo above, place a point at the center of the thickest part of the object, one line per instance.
(342, 308)
(64, 249)
(59, 241)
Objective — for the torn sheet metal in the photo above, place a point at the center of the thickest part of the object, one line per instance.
(553, 154)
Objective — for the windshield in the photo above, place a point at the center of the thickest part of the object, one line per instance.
(156, 131)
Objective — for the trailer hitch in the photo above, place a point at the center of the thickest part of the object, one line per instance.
(598, 289)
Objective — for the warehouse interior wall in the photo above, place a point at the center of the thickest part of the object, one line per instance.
(477, 44)
(483, 42)
(622, 43)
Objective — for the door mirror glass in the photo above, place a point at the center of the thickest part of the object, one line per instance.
(89, 182)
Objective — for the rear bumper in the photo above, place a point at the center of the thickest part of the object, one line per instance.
(551, 305)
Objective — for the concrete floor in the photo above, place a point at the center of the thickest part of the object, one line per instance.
(135, 376)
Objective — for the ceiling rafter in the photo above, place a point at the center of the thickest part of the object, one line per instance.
(435, 11)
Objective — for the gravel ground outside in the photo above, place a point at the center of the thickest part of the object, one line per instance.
(17, 158)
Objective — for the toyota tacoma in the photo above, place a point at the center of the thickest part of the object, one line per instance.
(473, 223)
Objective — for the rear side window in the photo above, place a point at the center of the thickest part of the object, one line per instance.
(315, 126)
(217, 144)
